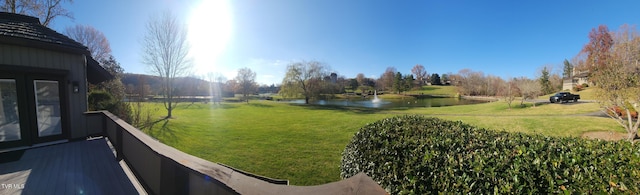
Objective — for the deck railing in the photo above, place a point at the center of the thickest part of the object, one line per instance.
(162, 169)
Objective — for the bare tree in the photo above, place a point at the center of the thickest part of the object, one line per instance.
(100, 50)
(364, 83)
(303, 78)
(471, 82)
(385, 82)
(46, 10)
(420, 73)
(618, 77)
(361, 79)
(492, 85)
(509, 92)
(556, 82)
(165, 51)
(92, 38)
(246, 82)
(529, 89)
(476, 83)
(230, 86)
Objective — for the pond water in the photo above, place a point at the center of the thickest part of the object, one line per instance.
(393, 103)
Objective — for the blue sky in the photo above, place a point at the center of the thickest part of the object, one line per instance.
(502, 38)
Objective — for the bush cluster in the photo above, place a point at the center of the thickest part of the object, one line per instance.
(103, 100)
(418, 155)
(578, 88)
(623, 113)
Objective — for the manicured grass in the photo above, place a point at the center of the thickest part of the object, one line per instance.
(304, 143)
(587, 94)
(563, 126)
(568, 119)
(299, 143)
(502, 108)
(437, 90)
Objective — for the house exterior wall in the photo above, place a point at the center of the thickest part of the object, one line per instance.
(582, 80)
(567, 84)
(73, 63)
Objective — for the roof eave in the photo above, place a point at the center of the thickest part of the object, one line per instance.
(41, 45)
(95, 73)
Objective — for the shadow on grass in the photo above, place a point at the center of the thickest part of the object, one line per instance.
(163, 133)
(189, 104)
(572, 103)
(259, 105)
(427, 88)
(222, 106)
(202, 105)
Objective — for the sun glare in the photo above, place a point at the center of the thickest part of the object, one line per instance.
(210, 29)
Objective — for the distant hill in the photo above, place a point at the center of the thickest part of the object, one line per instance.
(184, 85)
(132, 82)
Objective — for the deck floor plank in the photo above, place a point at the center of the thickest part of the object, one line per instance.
(63, 175)
(67, 177)
(81, 167)
(54, 173)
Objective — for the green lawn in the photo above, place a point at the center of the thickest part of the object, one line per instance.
(299, 143)
(587, 94)
(304, 143)
(437, 90)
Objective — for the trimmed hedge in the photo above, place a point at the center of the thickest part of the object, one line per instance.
(418, 155)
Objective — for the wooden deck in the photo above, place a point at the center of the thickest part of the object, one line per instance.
(81, 167)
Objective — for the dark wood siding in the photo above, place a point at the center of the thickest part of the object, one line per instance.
(74, 64)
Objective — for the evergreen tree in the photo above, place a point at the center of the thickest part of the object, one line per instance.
(544, 81)
(568, 69)
(435, 79)
(398, 83)
(408, 82)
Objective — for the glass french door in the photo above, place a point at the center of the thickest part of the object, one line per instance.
(47, 101)
(9, 113)
(32, 110)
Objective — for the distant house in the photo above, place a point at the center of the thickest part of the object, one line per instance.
(575, 80)
(43, 83)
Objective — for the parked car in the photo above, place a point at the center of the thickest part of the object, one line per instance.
(564, 97)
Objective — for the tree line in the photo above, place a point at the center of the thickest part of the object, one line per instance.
(476, 83)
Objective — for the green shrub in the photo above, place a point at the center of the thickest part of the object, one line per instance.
(578, 88)
(103, 100)
(100, 100)
(417, 155)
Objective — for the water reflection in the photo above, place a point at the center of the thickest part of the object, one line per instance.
(394, 103)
